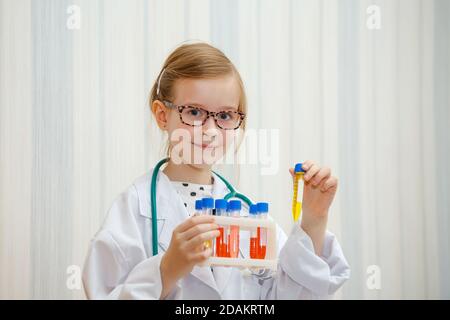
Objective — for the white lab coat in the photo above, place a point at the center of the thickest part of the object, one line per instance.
(120, 265)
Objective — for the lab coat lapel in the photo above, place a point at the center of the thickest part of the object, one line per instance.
(172, 203)
(169, 202)
(168, 208)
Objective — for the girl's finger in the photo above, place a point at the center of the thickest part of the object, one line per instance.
(323, 173)
(291, 171)
(201, 256)
(307, 164)
(198, 229)
(189, 223)
(329, 183)
(199, 239)
(311, 172)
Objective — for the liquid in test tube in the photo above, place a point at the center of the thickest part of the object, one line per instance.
(263, 209)
(254, 241)
(198, 207)
(208, 205)
(221, 240)
(233, 245)
(226, 230)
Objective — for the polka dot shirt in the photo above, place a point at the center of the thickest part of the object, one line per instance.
(189, 192)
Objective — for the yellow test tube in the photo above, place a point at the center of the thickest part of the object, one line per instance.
(297, 205)
(208, 206)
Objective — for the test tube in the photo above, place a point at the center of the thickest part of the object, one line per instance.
(198, 207)
(263, 209)
(254, 241)
(221, 240)
(297, 205)
(208, 205)
(227, 232)
(233, 245)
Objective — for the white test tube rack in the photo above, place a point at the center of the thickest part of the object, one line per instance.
(244, 223)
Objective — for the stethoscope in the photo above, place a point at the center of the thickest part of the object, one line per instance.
(232, 194)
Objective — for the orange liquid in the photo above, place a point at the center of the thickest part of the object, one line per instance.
(219, 243)
(233, 242)
(226, 248)
(262, 252)
(254, 244)
(261, 246)
(223, 251)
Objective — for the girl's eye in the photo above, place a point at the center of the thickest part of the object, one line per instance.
(194, 112)
(224, 116)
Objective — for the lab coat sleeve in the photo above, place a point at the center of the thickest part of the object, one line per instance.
(302, 274)
(116, 266)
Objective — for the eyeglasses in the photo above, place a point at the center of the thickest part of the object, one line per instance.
(195, 116)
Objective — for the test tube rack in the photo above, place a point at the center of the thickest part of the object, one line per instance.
(244, 223)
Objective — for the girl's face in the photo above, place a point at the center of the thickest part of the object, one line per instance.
(201, 146)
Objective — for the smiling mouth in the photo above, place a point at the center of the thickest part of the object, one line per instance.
(205, 146)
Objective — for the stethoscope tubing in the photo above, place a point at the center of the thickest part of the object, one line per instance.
(153, 207)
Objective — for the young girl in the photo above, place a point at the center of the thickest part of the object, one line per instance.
(199, 96)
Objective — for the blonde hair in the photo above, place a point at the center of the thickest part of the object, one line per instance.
(195, 61)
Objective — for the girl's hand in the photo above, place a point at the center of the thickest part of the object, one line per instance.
(186, 249)
(319, 190)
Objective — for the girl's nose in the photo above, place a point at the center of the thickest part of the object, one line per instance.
(210, 128)
(210, 124)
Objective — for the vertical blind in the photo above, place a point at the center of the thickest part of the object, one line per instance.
(371, 103)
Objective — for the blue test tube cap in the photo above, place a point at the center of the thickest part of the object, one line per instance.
(221, 204)
(208, 203)
(253, 209)
(235, 205)
(263, 207)
(198, 204)
(298, 168)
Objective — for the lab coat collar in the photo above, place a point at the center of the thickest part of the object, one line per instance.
(166, 193)
(168, 202)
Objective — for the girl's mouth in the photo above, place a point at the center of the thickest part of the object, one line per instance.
(205, 146)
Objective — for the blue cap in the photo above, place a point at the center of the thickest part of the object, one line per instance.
(208, 203)
(198, 204)
(221, 204)
(235, 205)
(253, 209)
(263, 206)
(298, 168)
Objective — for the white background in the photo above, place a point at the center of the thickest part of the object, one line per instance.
(374, 105)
